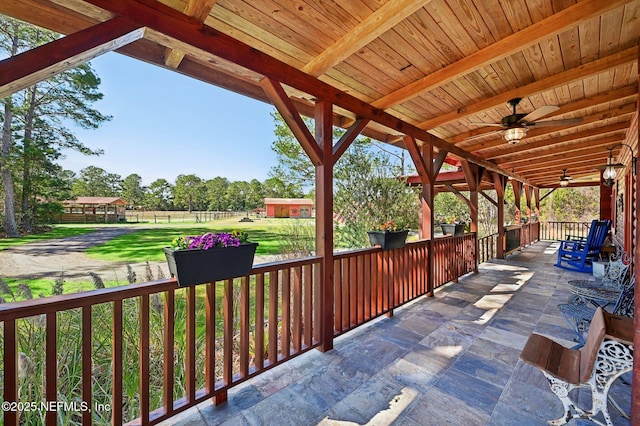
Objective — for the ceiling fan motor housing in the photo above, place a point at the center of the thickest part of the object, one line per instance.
(513, 119)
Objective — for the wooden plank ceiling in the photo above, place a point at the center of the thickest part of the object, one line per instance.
(441, 66)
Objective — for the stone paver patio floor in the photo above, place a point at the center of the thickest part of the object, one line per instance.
(452, 359)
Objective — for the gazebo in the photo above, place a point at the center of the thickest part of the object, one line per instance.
(93, 210)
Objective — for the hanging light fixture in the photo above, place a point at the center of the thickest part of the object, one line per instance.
(609, 172)
(513, 135)
(564, 179)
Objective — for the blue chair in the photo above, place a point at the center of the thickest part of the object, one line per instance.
(577, 255)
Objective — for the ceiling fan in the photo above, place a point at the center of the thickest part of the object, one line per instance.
(565, 179)
(515, 126)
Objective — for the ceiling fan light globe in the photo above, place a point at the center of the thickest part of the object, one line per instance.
(564, 183)
(514, 134)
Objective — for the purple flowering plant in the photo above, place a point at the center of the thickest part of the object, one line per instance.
(209, 240)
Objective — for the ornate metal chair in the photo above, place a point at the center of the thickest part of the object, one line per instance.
(607, 354)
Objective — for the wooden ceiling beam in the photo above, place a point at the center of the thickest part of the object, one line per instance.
(586, 167)
(197, 9)
(376, 24)
(168, 21)
(40, 63)
(564, 156)
(569, 147)
(579, 72)
(562, 162)
(535, 33)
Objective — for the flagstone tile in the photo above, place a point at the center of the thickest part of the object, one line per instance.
(451, 359)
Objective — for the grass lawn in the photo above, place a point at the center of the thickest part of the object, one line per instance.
(146, 244)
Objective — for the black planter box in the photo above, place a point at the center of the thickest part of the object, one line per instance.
(452, 229)
(388, 240)
(192, 267)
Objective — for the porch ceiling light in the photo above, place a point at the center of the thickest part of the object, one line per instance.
(513, 135)
(564, 179)
(609, 172)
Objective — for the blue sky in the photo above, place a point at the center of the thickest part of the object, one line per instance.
(166, 124)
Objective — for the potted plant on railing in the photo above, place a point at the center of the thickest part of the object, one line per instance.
(388, 235)
(198, 259)
(454, 226)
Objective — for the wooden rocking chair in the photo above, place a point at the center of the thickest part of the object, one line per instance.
(578, 255)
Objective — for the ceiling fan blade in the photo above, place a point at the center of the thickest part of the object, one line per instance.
(538, 113)
(566, 122)
(473, 123)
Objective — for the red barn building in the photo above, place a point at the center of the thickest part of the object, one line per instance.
(289, 207)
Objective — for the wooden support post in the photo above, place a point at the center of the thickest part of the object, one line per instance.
(324, 219)
(499, 183)
(517, 190)
(527, 196)
(427, 167)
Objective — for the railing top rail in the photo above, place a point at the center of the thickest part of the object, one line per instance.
(27, 308)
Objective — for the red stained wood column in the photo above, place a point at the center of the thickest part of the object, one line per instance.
(517, 190)
(499, 182)
(324, 219)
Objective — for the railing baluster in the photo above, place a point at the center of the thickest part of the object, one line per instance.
(10, 360)
(359, 286)
(227, 313)
(273, 317)
(307, 276)
(259, 344)
(144, 359)
(346, 285)
(286, 313)
(169, 346)
(51, 370)
(338, 283)
(352, 294)
(317, 303)
(366, 277)
(244, 326)
(87, 373)
(297, 309)
(190, 359)
(116, 408)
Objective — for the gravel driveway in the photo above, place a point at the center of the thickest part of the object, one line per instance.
(47, 259)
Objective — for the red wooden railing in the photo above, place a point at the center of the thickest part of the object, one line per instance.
(162, 349)
(560, 230)
(487, 247)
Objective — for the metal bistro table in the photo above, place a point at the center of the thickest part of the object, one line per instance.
(595, 292)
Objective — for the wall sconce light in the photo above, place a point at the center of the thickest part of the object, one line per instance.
(513, 135)
(609, 172)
